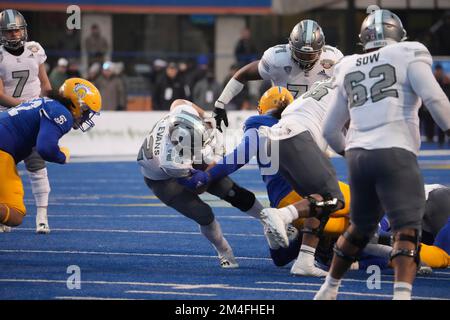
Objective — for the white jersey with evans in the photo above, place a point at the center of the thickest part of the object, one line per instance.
(278, 66)
(382, 104)
(155, 154)
(20, 74)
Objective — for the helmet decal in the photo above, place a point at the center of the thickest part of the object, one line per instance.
(81, 90)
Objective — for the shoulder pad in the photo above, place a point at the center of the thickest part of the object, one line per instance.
(415, 51)
(277, 55)
(258, 121)
(58, 114)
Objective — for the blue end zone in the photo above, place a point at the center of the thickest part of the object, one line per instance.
(127, 245)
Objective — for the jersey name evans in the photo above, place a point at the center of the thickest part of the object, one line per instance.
(159, 137)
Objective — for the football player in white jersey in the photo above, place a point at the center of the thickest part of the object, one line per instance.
(22, 78)
(380, 92)
(184, 140)
(295, 66)
(304, 164)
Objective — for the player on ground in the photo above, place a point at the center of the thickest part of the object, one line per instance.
(22, 78)
(380, 92)
(271, 106)
(40, 123)
(184, 139)
(295, 66)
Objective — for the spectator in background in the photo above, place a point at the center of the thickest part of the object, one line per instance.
(184, 71)
(242, 100)
(245, 50)
(94, 71)
(73, 71)
(168, 87)
(96, 46)
(70, 43)
(429, 125)
(444, 82)
(207, 91)
(111, 87)
(59, 73)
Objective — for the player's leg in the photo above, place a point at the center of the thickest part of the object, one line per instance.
(40, 186)
(190, 205)
(308, 171)
(401, 193)
(365, 213)
(239, 197)
(12, 208)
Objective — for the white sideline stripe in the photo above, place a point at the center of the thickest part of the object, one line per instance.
(124, 254)
(142, 231)
(147, 216)
(442, 272)
(420, 277)
(301, 283)
(90, 298)
(173, 293)
(291, 283)
(212, 286)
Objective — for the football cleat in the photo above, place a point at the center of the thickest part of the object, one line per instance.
(228, 262)
(424, 269)
(292, 232)
(300, 268)
(275, 224)
(272, 242)
(42, 222)
(42, 228)
(4, 228)
(326, 294)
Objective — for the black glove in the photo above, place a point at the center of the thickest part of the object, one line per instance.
(220, 115)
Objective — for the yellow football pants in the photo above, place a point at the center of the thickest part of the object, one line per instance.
(434, 256)
(11, 188)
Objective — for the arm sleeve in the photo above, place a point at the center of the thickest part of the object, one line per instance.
(335, 120)
(240, 156)
(425, 85)
(47, 142)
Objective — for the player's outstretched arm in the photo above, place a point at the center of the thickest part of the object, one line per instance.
(5, 100)
(426, 87)
(241, 155)
(233, 88)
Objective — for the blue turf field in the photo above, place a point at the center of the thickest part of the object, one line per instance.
(128, 245)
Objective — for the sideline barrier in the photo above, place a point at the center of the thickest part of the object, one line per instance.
(118, 133)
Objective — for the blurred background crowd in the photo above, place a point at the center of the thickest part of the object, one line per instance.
(143, 59)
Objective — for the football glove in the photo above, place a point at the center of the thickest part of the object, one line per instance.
(220, 115)
(197, 179)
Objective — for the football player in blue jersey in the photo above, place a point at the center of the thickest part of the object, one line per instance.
(40, 123)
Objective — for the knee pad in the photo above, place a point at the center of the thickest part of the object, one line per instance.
(412, 253)
(355, 238)
(240, 198)
(327, 206)
(40, 186)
